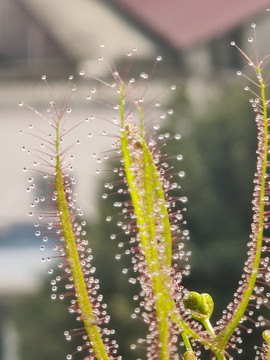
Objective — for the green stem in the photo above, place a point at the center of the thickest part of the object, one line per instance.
(84, 304)
(208, 326)
(144, 201)
(150, 209)
(186, 341)
(226, 333)
(220, 356)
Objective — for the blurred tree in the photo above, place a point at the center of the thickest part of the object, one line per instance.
(41, 323)
(219, 161)
(219, 148)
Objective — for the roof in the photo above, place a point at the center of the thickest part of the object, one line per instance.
(183, 24)
(79, 26)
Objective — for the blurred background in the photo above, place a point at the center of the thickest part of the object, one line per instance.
(211, 111)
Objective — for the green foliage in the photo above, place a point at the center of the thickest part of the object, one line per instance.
(41, 323)
(219, 162)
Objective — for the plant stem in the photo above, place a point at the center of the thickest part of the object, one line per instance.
(186, 341)
(208, 326)
(220, 356)
(149, 206)
(84, 304)
(226, 333)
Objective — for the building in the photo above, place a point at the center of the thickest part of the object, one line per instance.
(65, 35)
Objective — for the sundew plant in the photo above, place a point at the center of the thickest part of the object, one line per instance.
(178, 319)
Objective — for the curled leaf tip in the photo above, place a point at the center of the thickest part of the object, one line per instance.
(200, 305)
(266, 335)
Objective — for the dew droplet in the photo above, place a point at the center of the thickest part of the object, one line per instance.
(43, 77)
(179, 216)
(21, 103)
(181, 174)
(143, 75)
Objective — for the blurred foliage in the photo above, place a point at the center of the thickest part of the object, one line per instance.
(219, 147)
(219, 162)
(219, 142)
(41, 323)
